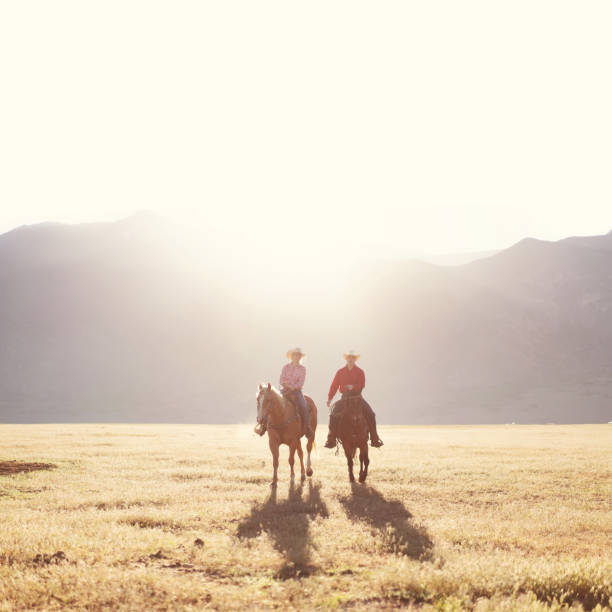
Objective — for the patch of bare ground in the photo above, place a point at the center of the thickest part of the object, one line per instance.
(39, 560)
(50, 559)
(15, 467)
(296, 571)
(152, 522)
(169, 560)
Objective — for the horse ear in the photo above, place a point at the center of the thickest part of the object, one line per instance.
(260, 386)
(269, 386)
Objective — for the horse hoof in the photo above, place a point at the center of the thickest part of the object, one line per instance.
(309, 472)
(303, 477)
(352, 479)
(362, 479)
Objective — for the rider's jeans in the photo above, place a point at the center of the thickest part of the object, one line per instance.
(299, 398)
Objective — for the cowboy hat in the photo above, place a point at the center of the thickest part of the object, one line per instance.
(297, 349)
(352, 353)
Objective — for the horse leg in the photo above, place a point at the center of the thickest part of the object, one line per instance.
(308, 449)
(349, 452)
(301, 456)
(292, 459)
(274, 450)
(364, 461)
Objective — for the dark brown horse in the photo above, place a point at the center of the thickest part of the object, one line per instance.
(285, 427)
(353, 434)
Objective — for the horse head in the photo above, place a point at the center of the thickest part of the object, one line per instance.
(267, 400)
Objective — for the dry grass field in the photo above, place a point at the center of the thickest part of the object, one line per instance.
(157, 517)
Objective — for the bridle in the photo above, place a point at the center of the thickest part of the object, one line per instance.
(260, 405)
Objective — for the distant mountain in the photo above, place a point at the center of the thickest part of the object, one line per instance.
(522, 336)
(126, 322)
(457, 259)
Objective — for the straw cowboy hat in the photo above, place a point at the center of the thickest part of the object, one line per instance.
(297, 349)
(352, 353)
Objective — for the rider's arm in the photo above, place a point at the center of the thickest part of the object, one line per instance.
(360, 383)
(284, 377)
(301, 379)
(334, 387)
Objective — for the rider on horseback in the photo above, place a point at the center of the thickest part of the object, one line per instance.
(351, 381)
(292, 380)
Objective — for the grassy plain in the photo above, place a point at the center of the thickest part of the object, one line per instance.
(182, 517)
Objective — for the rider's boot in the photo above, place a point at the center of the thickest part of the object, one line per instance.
(375, 441)
(331, 435)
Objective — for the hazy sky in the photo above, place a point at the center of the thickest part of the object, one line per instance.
(399, 127)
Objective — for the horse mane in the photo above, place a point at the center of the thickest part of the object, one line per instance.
(278, 396)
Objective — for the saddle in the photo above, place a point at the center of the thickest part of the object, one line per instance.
(288, 397)
(354, 403)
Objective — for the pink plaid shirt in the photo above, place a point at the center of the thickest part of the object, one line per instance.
(293, 376)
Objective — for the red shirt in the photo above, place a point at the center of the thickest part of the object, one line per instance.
(344, 377)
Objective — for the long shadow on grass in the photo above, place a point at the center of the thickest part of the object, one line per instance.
(391, 519)
(288, 524)
(15, 467)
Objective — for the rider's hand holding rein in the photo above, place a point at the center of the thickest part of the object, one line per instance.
(329, 402)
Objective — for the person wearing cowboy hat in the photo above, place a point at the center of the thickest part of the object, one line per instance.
(292, 380)
(350, 380)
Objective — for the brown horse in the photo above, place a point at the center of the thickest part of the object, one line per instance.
(353, 434)
(285, 427)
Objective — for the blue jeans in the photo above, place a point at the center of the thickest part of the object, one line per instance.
(299, 399)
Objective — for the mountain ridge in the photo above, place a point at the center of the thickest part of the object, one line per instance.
(121, 322)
